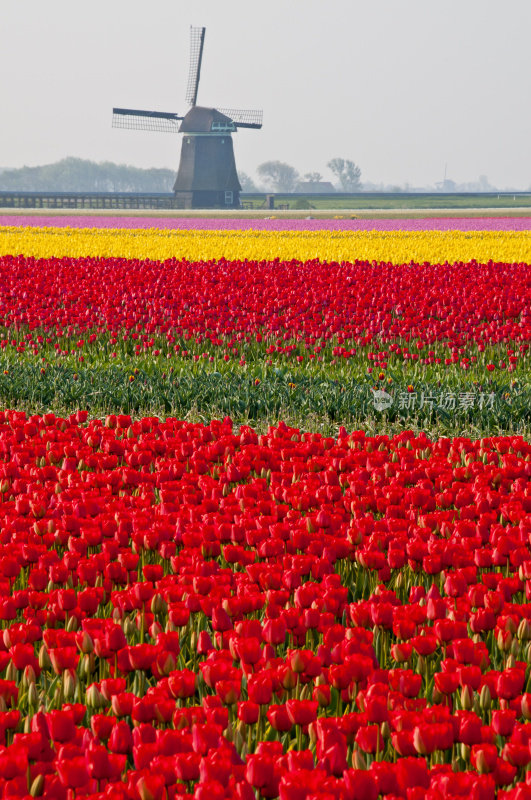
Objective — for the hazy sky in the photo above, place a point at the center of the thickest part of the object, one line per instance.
(402, 87)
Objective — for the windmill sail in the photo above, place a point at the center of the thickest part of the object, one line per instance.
(197, 39)
(134, 119)
(251, 118)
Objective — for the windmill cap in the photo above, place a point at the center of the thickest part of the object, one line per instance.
(205, 120)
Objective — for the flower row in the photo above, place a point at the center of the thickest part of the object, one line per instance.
(346, 223)
(286, 302)
(399, 246)
(193, 608)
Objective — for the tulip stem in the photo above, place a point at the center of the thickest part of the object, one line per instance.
(249, 737)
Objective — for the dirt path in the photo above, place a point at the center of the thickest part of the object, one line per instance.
(371, 213)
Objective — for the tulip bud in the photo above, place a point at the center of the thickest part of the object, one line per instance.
(28, 676)
(155, 629)
(385, 730)
(526, 706)
(94, 697)
(306, 692)
(158, 604)
(84, 642)
(167, 664)
(504, 640)
(11, 672)
(44, 658)
(482, 765)
(358, 760)
(467, 698)
(465, 752)
(129, 628)
(312, 733)
(437, 696)
(524, 629)
(87, 666)
(485, 698)
(72, 624)
(510, 625)
(37, 787)
(33, 696)
(238, 739)
(69, 683)
(228, 733)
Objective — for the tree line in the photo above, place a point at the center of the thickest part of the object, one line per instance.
(81, 175)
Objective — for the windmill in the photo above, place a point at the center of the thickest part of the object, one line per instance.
(207, 176)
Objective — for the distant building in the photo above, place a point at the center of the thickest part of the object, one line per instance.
(446, 186)
(315, 187)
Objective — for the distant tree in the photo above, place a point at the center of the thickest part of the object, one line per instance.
(347, 173)
(247, 183)
(279, 176)
(312, 177)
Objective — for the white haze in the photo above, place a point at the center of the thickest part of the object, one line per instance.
(401, 87)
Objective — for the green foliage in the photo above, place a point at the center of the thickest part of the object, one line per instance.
(306, 400)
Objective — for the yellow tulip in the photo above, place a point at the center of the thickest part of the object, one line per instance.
(199, 245)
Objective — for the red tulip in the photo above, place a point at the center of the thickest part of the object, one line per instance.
(259, 770)
(360, 785)
(73, 773)
(260, 689)
(279, 718)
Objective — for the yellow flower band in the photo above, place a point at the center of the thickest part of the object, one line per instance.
(197, 245)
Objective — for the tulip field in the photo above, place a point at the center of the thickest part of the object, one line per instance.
(265, 497)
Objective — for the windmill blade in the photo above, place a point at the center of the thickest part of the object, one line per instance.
(134, 119)
(242, 118)
(197, 39)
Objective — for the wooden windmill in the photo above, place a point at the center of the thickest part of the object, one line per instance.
(207, 176)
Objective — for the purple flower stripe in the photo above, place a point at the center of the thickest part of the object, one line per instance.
(231, 223)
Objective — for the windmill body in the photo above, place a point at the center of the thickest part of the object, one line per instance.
(207, 176)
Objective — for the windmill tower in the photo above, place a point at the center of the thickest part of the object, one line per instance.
(207, 176)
